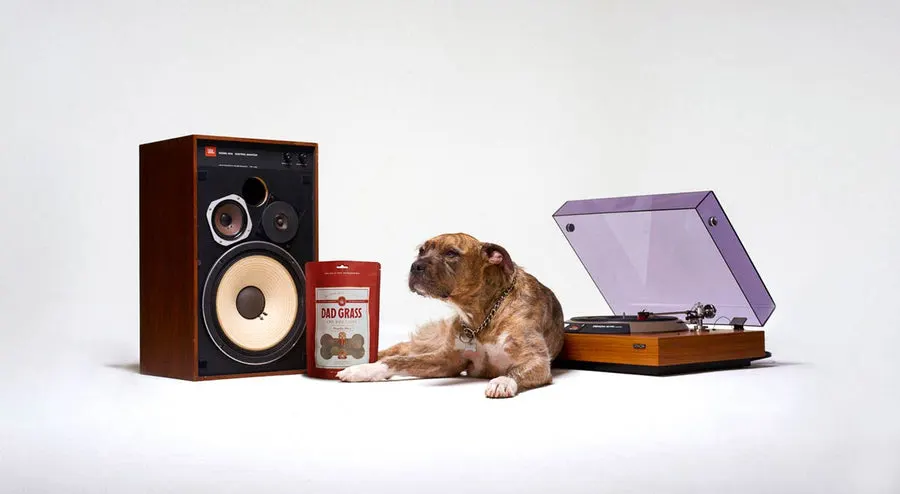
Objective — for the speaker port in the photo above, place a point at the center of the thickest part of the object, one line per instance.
(255, 191)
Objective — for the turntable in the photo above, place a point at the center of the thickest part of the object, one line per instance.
(678, 280)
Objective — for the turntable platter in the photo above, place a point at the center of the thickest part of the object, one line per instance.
(623, 318)
(623, 324)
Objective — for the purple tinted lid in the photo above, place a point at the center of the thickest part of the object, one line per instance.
(665, 253)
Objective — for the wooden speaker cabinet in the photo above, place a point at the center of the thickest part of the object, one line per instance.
(226, 227)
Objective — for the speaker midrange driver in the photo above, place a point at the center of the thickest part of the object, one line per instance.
(229, 219)
(252, 307)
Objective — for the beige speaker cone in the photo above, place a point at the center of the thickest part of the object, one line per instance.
(256, 302)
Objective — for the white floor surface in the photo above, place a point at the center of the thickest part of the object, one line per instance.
(90, 423)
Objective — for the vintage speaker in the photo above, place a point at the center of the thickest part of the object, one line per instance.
(226, 227)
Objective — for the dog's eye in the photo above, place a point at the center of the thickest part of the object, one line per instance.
(421, 250)
(451, 253)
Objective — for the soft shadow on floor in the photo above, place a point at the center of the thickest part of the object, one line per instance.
(758, 365)
(755, 366)
(448, 381)
(134, 368)
(774, 363)
(452, 381)
(557, 372)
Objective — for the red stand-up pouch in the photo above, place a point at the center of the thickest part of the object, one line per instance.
(342, 315)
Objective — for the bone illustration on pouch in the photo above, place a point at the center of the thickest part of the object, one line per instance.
(340, 347)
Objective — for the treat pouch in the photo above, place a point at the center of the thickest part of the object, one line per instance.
(342, 300)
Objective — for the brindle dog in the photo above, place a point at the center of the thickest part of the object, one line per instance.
(508, 326)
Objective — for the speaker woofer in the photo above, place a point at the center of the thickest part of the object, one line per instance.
(252, 304)
(228, 219)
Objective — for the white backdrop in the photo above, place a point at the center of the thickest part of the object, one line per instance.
(481, 117)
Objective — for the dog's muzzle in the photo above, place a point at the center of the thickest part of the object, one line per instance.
(417, 267)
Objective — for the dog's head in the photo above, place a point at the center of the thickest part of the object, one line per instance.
(453, 266)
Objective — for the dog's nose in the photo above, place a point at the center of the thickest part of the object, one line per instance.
(418, 267)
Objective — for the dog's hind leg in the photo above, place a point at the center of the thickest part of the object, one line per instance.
(398, 349)
(435, 364)
(427, 338)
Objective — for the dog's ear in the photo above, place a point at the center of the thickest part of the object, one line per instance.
(495, 254)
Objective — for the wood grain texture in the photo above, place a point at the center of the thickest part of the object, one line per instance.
(659, 349)
(711, 346)
(168, 258)
(614, 350)
(217, 377)
(197, 137)
(315, 165)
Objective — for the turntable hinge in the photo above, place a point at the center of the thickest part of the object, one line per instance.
(738, 323)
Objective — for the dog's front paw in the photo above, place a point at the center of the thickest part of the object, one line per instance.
(364, 372)
(501, 387)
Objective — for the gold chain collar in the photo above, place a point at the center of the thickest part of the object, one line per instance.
(468, 334)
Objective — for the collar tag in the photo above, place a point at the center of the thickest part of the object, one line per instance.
(465, 347)
(466, 341)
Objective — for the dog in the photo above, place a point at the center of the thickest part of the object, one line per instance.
(507, 327)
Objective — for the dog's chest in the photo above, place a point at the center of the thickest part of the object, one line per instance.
(488, 358)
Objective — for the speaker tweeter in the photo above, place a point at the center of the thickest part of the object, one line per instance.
(279, 222)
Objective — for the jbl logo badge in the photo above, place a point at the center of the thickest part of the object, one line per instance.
(210, 151)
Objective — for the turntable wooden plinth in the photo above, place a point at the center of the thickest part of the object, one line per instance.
(663, 353)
